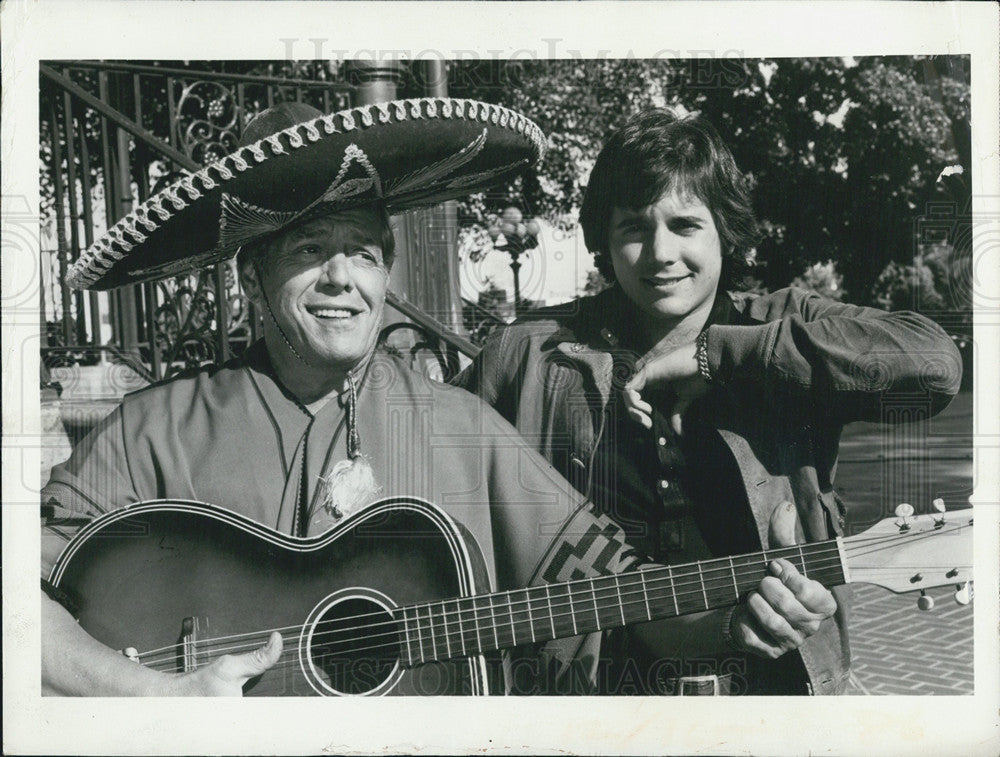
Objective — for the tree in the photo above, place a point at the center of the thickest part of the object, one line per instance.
(896, 145)
(907, 287)
(823, 279)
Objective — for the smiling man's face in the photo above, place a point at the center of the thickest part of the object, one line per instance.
(667, 258)
(325, 282)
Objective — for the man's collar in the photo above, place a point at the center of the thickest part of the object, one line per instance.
(614, 313)
(258, 360)
(601, 334)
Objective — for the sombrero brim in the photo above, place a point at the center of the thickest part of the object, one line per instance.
(405, 153)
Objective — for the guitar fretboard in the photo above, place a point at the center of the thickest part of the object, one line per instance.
(489, 622)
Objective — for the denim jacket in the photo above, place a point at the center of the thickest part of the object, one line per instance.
(789, 369)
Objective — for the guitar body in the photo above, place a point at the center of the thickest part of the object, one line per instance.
(190, 582)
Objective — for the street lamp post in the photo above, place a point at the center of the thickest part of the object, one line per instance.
(519, 237)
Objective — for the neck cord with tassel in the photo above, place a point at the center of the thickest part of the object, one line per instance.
(350, 484)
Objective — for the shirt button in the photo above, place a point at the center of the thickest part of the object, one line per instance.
(662, 441)
(664, 484)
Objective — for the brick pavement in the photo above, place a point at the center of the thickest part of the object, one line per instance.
(897, 649)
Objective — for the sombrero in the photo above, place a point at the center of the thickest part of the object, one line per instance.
(296, 163)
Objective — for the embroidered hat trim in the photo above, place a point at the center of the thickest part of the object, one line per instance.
(121, 238)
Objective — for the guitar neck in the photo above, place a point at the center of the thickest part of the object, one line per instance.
(490, 622)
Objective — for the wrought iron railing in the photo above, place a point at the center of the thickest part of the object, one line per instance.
(479, 321)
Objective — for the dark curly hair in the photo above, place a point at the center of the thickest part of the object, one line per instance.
(657, 152)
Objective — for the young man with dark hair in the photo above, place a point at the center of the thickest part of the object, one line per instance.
(705, 422)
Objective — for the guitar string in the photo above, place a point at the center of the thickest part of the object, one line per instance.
(456, 637)
(430, 623)
(392, 645)
(446, 633)
(458, 613)
(652, 576)
(649, 577)
(454, 626)
(852, 546)
(450, 628)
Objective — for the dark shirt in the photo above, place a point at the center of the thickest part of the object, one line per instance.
(674, 497)
(668, 491)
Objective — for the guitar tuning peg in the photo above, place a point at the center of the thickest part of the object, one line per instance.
(903, 511)
(924, 602)
(938, 505)
(963, 594)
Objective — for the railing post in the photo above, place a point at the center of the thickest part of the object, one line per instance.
(123, 175)
(93, 299)
(223, 353)
(376, 81)
(57, 180)
(74, 219)
(148, 288)
(110, 203)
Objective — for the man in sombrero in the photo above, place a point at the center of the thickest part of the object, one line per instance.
(311, 425)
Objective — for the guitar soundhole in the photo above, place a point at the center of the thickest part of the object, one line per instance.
(354, 647)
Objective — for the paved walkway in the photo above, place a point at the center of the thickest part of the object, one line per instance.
(897, 649)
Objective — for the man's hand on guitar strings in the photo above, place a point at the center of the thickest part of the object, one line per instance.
(226, 675)
(783, 612)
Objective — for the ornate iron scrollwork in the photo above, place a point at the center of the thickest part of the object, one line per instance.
(208, 121)
(186, 322)
(425, 354)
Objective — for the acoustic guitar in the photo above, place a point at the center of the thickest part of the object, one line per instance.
(396, 600)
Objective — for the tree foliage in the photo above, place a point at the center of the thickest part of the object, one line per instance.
(823, 279)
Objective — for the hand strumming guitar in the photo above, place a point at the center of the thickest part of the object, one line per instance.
(79, 665)
(225, 676)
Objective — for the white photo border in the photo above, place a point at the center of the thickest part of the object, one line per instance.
(125, 29)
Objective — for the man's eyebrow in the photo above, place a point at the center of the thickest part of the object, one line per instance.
(303, 232)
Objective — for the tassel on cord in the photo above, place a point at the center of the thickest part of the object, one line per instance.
(350, 484)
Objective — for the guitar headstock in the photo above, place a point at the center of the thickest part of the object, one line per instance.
(913, 552)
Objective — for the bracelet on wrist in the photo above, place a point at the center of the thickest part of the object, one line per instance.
(701, 355)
